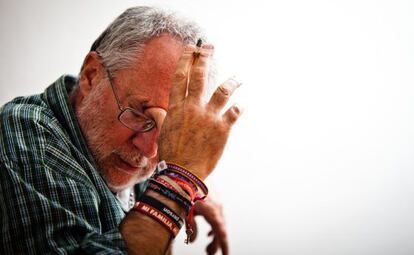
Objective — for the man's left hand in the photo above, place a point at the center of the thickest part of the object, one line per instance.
(212, 211)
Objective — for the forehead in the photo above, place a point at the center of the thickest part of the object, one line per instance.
(151, 78)
(161, 52)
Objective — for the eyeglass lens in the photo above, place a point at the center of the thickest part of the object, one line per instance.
(135, 121)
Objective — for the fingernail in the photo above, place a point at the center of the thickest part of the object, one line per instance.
(238, 109)
(237, 82)
(208, 46)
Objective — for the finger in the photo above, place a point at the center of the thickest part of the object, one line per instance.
(194, 227)
(199, 73)
(222, 94)
(180, 79)
(213, 246)
(221, 235)
(232, 114)
(224, 244)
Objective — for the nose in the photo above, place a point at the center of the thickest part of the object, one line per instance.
(147, 142)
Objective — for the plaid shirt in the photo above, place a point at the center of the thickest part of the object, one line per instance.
(52, 198)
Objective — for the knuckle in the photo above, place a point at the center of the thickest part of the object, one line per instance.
(221, 130)
(189, 48)
(232, 118)
(222, 233)
(180, 75)
(195, 85)
(199, 73)
(233, 114)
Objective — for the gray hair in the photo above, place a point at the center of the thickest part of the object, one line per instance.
(124, 39)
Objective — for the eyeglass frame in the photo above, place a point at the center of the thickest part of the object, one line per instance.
(125, 109)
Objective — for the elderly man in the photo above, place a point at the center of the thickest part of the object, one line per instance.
(76, 159)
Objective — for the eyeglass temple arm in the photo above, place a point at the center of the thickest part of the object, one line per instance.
(113, 90)
(111, 81)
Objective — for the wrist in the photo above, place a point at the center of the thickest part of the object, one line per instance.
(197, 168)
(168, 202)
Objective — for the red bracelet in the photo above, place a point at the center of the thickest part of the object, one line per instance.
(185, 186)
(165, 183)
(158, 216)
(169, 167)
(173, 185)
(174, 174)
(192, 177)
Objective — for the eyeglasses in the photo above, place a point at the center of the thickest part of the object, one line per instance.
(129, 117)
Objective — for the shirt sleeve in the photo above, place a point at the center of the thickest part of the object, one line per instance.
(47, 204)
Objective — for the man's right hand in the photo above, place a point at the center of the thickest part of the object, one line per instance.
(194, 132)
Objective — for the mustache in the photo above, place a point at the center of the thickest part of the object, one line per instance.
(134, 159)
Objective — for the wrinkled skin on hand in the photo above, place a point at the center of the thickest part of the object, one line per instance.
(212, 211)
(195, 132)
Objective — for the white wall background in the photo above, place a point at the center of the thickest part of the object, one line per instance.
(322, 160)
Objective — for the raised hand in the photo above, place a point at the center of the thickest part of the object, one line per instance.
(195, 132)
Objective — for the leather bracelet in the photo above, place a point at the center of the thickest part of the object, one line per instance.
(161, 218)
(163, 209)
(162, 190)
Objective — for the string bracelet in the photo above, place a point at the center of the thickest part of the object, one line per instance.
(164, 170)
(164, 191)
(185, 176)
(168, 182)
(163, 209)
(188, 229)
(174, 174)
(186, 186)
(155, 214)
(186, 173)
(192, 193)
(187, 204)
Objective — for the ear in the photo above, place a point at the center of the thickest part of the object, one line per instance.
(91, 74)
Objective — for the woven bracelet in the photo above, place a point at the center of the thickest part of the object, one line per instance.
(168, 182)
(161, 218)
(185, 186)
(162, 166)
(186, 173)
(165, 183)
(162, 190)
(163, 209)
(174, 174)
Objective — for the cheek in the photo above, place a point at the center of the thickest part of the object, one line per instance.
(98, 120)
(112, 131)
